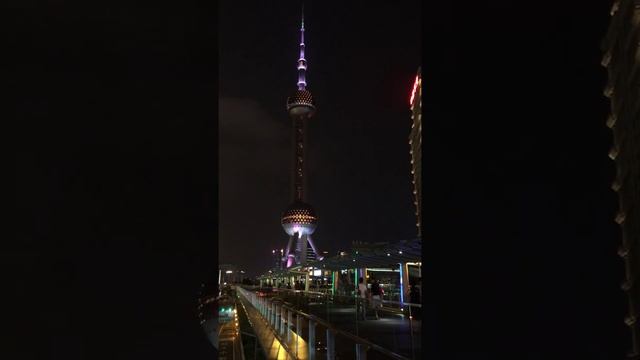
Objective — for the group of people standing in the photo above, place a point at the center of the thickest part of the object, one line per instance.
(373, 296)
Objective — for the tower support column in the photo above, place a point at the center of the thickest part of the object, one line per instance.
(306, 281)
(335, 280)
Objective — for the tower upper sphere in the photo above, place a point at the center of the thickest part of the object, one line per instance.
(301, 103)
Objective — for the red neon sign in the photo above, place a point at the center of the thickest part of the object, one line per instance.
(413, 92)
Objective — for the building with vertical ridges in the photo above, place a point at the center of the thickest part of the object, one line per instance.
(621, 48)
(415, 143)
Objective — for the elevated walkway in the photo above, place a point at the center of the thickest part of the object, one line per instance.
(275, 346)
(328, 331)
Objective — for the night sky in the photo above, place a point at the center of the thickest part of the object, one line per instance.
(116, 159)
(519, 238)
(362, 60)
(118, 173)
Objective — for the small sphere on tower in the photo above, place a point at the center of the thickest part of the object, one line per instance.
(301, 103)
(300, 218)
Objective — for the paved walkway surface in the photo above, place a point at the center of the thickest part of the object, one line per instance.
(273, 346)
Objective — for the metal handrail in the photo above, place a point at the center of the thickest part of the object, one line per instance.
(283, 343)
(346, 334)
(255, 350)
(358, 340)
(343, 296)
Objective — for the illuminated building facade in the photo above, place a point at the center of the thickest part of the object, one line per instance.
(229, 274)
(621, 48)
(415, 143)
(299, 219)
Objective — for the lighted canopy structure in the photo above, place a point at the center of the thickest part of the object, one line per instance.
(374, 256)
(361, 258)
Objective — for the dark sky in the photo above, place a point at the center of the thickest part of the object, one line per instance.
(520, 243)
(116, 159)
(362, 61)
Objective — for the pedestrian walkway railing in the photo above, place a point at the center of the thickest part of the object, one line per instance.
(280, 318)
(391, 296)
(244, 321)
(327, 304)
(302, 298)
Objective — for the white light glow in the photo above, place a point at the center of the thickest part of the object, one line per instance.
(413, 91)
(383, 270)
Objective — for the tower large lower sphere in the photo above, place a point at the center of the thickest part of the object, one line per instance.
(299, 218)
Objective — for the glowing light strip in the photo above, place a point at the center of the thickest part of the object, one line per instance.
(298, 218)
(401, 285)
(413, 92)
(333, 282)
(382, 270)
(355, 280)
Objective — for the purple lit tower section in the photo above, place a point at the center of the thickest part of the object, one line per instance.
(299, 220)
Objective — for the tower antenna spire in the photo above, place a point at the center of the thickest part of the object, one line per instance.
(302, 62)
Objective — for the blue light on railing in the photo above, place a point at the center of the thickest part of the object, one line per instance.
(401, 285)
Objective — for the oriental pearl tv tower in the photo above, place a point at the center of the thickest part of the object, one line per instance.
(299, 219)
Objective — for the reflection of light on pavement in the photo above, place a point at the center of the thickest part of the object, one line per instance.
(301, 345)
(277, 351)
(282, 354)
